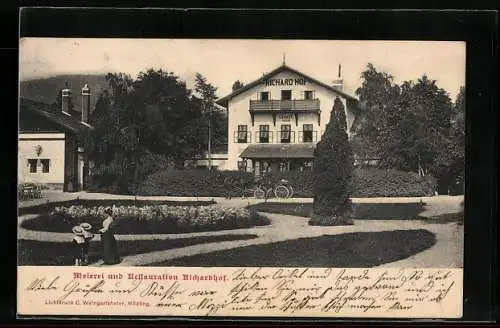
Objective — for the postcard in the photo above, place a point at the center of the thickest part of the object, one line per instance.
(241, 178)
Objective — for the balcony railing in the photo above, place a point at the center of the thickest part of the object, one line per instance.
(264, 137)
(308, 136)
(285, 105)
(270, 137)
(286, 137)
(242, 137)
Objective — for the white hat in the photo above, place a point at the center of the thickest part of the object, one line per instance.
(86, 226)
(77, 230)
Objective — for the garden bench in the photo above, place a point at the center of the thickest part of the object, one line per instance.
(30, 192)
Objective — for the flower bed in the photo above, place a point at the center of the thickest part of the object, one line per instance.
(50, 206)
(149, 219)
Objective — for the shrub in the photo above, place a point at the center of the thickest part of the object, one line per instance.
(373, 182)
(150, 219)
(117, 178)
(333, 169)
(194, 182)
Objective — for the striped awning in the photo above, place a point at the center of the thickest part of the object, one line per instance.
(279, 151)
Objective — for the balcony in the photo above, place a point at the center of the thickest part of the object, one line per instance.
(242, 137)
(286, 137)
(264, 136)
(284, 105)
(308, 136)
(294, 107)
(276, 137)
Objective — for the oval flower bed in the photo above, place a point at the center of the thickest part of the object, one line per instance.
(158, 219)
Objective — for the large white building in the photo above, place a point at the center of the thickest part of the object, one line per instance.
(275, 122)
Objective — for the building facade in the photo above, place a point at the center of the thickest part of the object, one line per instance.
(50, 146)
(275, 122)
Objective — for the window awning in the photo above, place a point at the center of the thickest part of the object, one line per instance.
(279, 151)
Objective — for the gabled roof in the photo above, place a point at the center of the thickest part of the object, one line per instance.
(65, 121)
(223, 101)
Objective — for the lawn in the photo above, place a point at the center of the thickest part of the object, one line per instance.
(368, 211)
(50, 206)
(56, 253)
(360, 249)
(445, 218)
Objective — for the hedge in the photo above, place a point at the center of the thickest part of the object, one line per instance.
(367, 182)
(195, 182)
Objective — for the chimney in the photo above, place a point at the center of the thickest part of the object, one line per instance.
(339, 82)
(85, 103)
(66, 94)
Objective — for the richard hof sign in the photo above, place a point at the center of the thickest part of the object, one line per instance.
(281, 82)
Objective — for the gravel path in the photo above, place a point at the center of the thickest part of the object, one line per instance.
(447, 252)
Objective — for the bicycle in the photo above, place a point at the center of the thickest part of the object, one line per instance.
(258, 192)
(283, 189)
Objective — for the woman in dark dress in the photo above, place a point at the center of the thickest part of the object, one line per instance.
(109, 246)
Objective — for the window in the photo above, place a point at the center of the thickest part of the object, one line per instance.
(32, 164)
(242, 165)
(264, 133)
(45, 165)
(264, 96)
(285, 133)
(284, 166)
(286, 94)
(308, 95)
(307, 133)
(242, 134)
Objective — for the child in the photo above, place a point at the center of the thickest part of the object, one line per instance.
(78, 244)
(87, 236)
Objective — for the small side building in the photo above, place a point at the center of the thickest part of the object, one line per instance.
(50, 143)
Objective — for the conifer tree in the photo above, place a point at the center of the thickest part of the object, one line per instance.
(333, 170)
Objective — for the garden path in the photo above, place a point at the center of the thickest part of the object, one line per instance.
(447, 252)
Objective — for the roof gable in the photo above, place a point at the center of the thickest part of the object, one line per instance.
(65, 121)
(223, 101)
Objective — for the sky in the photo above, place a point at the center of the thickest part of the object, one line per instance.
(224, 61)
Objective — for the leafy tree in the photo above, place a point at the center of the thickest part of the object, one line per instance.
(333, 169)
(237, 85)
(449, 166)
(422, 126)
(378, 97)
(142, 124)
(405, 126)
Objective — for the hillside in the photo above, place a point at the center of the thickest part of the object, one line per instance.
(45, 89)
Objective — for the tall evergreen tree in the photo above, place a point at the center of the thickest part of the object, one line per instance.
(207, 94)
(333, 169)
